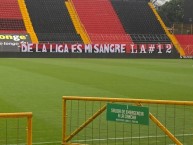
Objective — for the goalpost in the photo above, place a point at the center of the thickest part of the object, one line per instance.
(16, 128)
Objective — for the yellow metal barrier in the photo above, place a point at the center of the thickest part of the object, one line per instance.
(27, 115)
(78, 120)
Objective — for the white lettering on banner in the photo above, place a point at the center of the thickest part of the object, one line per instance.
(168, 48)
(97, 48)
(59, 48)
(76, 48)
(151, 48)
(142, 48)
(26, 47)
(133, 48)
(44, 49)
(109, 48)
(160, 47)
(66, 50)
(30, 48)
(36, 48)
(50, 47)
(88, 48)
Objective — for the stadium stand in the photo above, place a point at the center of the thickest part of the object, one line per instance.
(11, 20)
(85, 21)
(77, 24)
(186, 42)
(101, 22)
(140, 22)
(51, 21)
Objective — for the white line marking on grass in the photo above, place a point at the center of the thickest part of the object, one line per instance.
(104, 139)
(37, 143)
(135, 137)
(47, 142)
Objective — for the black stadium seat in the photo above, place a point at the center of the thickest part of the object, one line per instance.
(139, 21)
(51, 21)
(12, 24)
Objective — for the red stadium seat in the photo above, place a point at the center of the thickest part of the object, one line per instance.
(11, 20)
(101, 22)
(186, 42)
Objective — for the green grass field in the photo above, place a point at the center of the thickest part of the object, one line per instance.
(37, 85)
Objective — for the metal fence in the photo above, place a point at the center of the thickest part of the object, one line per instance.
(182, 28)
(85, 122)
(16, 128)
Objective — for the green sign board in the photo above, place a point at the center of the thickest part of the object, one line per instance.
(128, 114)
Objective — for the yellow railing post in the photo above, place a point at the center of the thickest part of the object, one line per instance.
(64, 116)
(29, 130)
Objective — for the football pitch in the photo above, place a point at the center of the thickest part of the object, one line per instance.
(37, 85)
